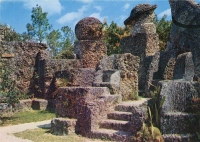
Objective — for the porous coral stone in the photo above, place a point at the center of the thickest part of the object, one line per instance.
(89, 29)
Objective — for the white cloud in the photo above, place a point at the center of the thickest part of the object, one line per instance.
(98, 16)
(122, 18)
(126, 6)
(166, 12)
(86, 1)
(50, 6)
(72, 16)
(99, 8)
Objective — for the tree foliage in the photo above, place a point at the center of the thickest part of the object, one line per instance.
(53, 40)
(39, 28)
(10, 34)
(113, 35)
(8, 88)
(163, 28)
(61, 43)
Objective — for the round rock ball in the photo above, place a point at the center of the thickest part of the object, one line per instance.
(89, 29)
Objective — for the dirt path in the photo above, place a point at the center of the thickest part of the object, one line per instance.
(6, 132)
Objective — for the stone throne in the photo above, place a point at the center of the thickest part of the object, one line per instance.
(91, 103)
(178, 123)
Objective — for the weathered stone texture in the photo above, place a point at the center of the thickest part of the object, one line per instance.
(69, 98)
(146, 47)
(89, 28)
(46, 69)
(140, 14)
(178, 123)
(141, 44)
(128, 66)
(178, 100)
(166, 66)
(139, 111)
(63, 126)
(178, 95)
(83, 77)
(23, 61)
(90, 51)
(88, 105)
(39, 104)
(144, 24)
(148, 66)
(185, 30)
(184, 67)
(110, 79)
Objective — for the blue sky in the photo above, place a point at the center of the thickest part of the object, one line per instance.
(17, 13)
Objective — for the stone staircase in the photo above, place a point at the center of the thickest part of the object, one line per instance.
(119, 125)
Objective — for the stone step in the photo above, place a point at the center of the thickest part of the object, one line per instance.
(178, 123)
(115, 125)
(120, 115)
(131, 106)
(113, 135)
(179, 138)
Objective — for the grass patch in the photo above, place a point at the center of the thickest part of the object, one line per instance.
(26, 117)
(44, 135)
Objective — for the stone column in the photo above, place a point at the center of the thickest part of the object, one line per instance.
(143, 42)
(90, 46)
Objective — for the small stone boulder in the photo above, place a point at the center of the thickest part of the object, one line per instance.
(89, 28)
(63, 126)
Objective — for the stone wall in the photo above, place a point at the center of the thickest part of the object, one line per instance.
(21, 58)
(46, 69)
(128, 66)
(27, 105)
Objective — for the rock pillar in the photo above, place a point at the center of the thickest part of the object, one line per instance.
(90, 46)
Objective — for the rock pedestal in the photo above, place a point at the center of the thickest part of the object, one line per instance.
(90, 46)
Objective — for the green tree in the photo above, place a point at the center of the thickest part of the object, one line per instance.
(39, 28)
(113, 35)
(9, 93)
(67, 43)
(10, 34)
(163, 28)
(25, 37)
(53, 41)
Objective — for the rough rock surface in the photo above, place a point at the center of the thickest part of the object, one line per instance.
(83, 77)
(141, 44)
(185, 30)
(148, 67)
(128, 66)
(89, 28)
(21, 58)
(178, 93)
(63, 126)
(90, 51)
(110, 79)
(184, 67)
(45, 72)
(166, 66)
(178, 100)
(88, 105)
